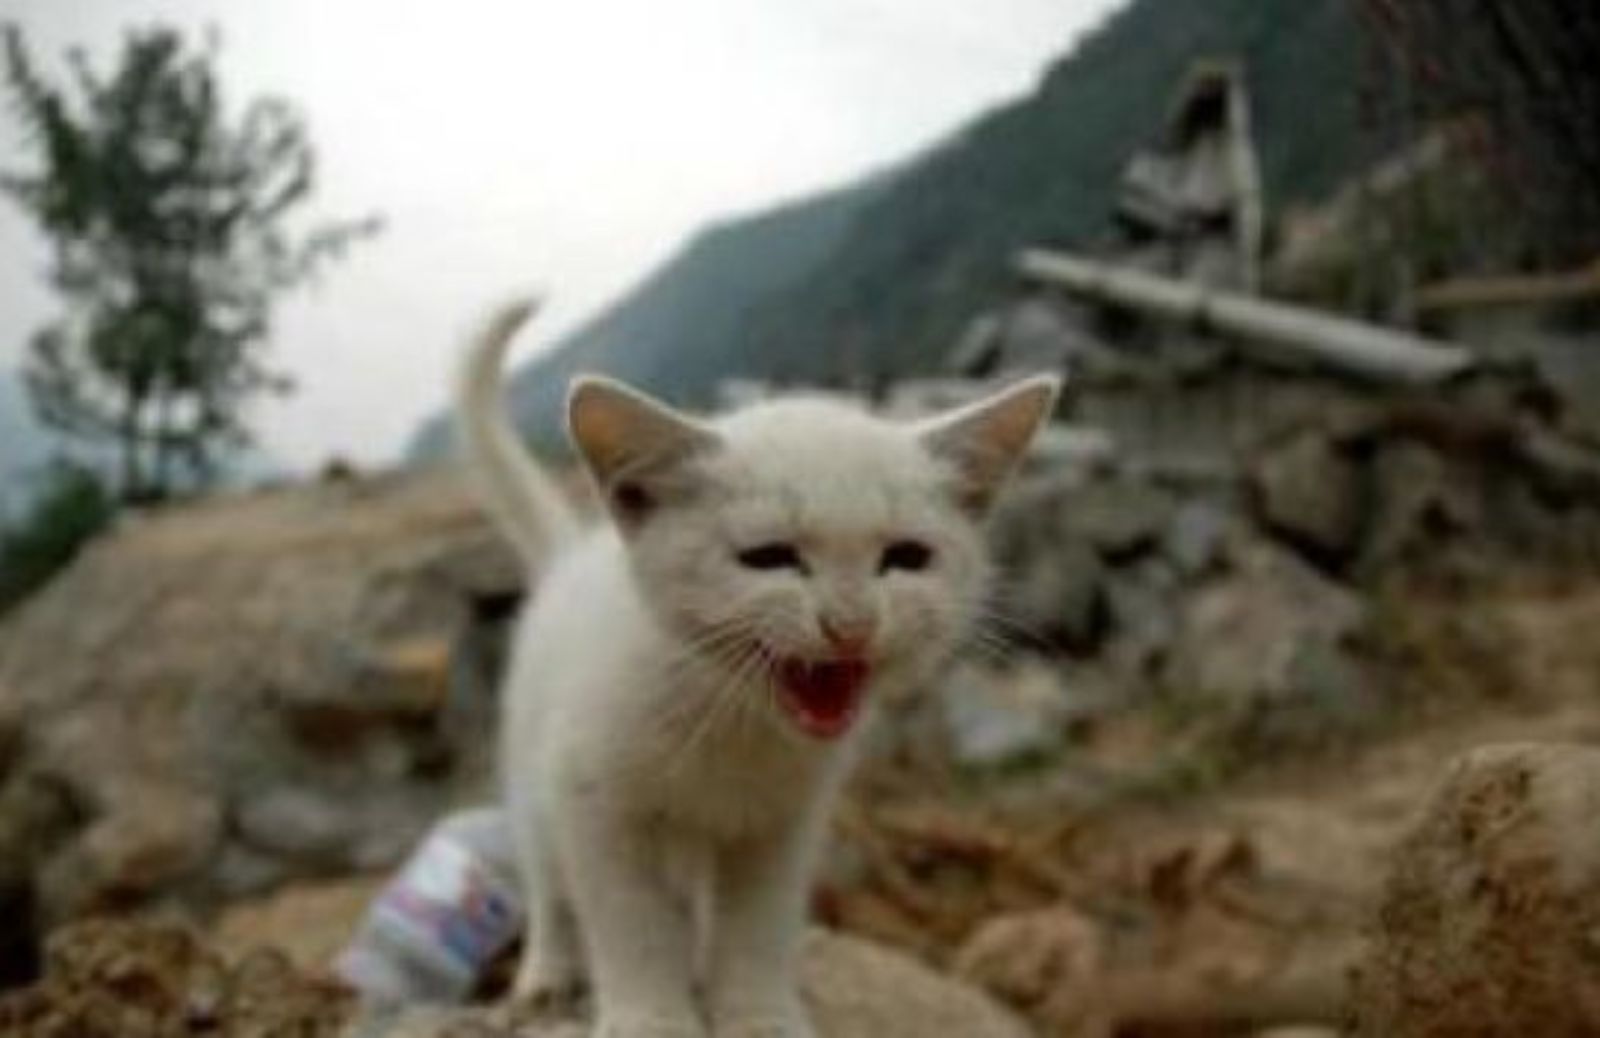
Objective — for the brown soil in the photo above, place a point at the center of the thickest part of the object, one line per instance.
(140, 980)
(1229, 906)
(1223, 909)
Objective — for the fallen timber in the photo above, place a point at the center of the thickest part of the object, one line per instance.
(1291, 332)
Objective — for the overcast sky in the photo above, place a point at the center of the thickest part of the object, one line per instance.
(567, 145)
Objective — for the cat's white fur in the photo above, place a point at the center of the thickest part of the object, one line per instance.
(665, 809)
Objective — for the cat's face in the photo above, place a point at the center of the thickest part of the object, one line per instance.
(803, 544)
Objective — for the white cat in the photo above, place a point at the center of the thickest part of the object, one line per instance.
(687, 686)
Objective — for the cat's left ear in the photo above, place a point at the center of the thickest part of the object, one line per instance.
(985, 441)
(634, 446)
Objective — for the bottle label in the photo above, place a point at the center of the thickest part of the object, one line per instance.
(448, 900)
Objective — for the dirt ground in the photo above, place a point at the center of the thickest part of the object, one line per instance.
(1217, 907)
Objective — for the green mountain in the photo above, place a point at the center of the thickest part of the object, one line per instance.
(680, 330)
(880, 278)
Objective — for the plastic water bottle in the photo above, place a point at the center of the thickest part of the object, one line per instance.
(453, 906)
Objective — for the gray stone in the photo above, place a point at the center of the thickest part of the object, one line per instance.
(1122, 518)
(993, 718)
(360, 830)
(1197, 535)
(1416, 502)
(1311, 493)
(1143, 602)
(1275, 645)
(1057, 596)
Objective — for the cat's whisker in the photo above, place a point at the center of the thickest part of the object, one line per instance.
(724, 697)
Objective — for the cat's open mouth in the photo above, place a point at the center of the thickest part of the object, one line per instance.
(823, 696)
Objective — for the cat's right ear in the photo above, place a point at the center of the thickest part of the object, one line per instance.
(634, 446)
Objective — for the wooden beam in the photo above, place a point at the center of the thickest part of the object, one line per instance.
(1289, 332)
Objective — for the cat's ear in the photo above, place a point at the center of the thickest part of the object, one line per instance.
(634, 445)
(985, 441)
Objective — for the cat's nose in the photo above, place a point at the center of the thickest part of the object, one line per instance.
(850, 638)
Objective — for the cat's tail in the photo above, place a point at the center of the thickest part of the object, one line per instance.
(529, 507)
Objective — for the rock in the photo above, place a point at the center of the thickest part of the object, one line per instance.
(146, 835)
(308, 825)
(1143, 606)
(246, 689)
(1035, 957)
(993, 718)
(1274, 647)
(1057, 597)
(1311, 493)
(1490, 917)
(853, 989)
(1417, 502)
(1122, 518)
(1054, 540)
(1196, 537)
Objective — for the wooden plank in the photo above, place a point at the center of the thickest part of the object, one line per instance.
(1289, 332)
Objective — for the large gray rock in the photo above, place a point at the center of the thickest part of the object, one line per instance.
(1490, 919)
(1276, 646)
(853, 989)
(231, 693)
(1057, 541)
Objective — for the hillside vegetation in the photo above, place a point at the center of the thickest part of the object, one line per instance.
(878, 278)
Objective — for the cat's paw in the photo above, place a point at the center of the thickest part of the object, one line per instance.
(549, 988)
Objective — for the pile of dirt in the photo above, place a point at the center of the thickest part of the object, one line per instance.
(1094, 928)
(1100, 903)
(140, 980)
(1490, 922)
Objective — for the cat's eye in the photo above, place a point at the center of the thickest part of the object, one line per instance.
(907, 556)
(774, 556)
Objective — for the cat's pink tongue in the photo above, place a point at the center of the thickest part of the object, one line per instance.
(824, 698)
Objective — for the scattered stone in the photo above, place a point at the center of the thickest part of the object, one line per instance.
(1274, 648)
(1417, 504)
(1143, 606)
(1122, 518)
(1196, 537)
(1489, 919)
(1311, 493)
(994, 718)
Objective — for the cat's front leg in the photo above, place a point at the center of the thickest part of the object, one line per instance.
(638, 931)
(763, 885)
(550, 975)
